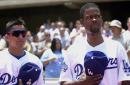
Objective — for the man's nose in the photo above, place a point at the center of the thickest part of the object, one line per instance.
(94, 19)
(20, 36)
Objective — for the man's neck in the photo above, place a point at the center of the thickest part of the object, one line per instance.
(16, 52)
(94, 39)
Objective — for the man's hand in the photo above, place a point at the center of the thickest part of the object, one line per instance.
(93, 80)
(90, 80)
(125, 82)
(21, 83)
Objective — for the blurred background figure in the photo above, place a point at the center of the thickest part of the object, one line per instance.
(116, 27)
(82, 36)
(38, 46)
(40, 33)
(3, 43)
(126, 35)
(53, 59)
(47, 39)
(75, 31)
(65, 41)
(106, 31)
(28, 45)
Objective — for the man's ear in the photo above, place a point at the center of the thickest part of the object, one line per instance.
(6, 37)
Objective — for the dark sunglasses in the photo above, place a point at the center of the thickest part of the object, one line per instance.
(18, 32)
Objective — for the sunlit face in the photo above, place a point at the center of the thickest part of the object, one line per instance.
(116, 31)
(92, 20)
(17, 36)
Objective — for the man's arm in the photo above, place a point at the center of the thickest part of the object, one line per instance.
(88, 81)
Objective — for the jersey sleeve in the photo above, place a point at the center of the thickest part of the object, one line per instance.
(123, 64)
(66, 73)
(46, 55)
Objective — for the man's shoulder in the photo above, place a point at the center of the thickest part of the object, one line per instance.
(4, 52)
(113, 43)
(30, 58)
(31, 55)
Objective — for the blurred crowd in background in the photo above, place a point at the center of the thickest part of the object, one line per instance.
(53, 39)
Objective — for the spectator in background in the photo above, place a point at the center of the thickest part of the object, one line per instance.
(106, 31)
(28, 42)
(40, 33)
(65, 41)
(116, 28)
(75, 31)
(52, 29)
(126, 35)
(38, 47)
(71, 26)
(47, 39)
(82, 36)
(3, 43)
(52, 59)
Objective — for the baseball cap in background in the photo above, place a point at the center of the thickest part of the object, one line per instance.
(116, 23)
(29, 71)
(11, 23)
(95, 62)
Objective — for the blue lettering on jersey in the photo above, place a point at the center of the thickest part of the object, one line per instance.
(64, 67)
(78, 70)
(112, 63)
(126, 66)
(6, 79)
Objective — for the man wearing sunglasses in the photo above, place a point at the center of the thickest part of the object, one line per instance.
(16, 64)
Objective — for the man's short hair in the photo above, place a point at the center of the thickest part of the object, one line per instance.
(87, 6)
(11, 23)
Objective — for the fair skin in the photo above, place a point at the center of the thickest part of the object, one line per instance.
(58, 45)
(128, 25)
(16, 44)
(116, 31)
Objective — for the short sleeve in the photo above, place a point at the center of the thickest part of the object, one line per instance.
(66, 73)
(123, 64)
(46, 55)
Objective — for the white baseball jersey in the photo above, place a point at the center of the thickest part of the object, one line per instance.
(10, 66)
(116, 71)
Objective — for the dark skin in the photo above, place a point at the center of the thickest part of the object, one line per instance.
(21, 83)
(92, 21)
(95, 38)
(93, 80)
(92, 26)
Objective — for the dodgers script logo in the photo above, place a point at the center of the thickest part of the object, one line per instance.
(112, 63)
(6, 78)
(78, 70)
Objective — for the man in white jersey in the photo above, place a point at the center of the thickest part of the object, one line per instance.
(14, 60)
(117, 71)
